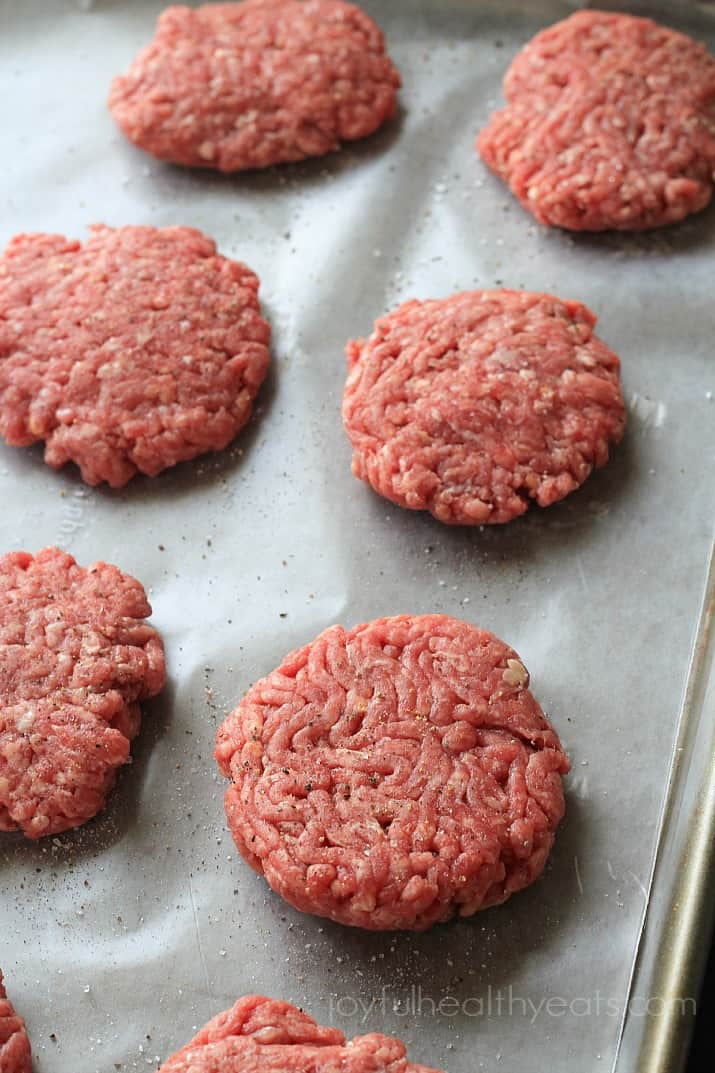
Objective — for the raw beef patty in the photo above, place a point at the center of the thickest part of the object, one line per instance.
(14, 1045)
(394, 775)
(76, 658)
(136, 351)
(261, 1035)
(474, 405)
(609, 123)
(236, 86)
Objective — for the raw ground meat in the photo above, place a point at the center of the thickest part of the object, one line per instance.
(236, 86)
(136, 351)
(76, 658)
(473, 405)
(610, 124)
(15, 1054)
(261, 1035)
(394, 775)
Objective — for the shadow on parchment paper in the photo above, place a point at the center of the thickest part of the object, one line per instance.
(690, 234)
(288, 177)
(535, 535)
(463, 960)
(183, 479)
(464, 957)
(122, 813)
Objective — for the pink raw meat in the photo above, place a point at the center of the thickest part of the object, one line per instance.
(261, 1035)
(609, 123)
(136, 351)
(15, 1054)
(76, 658)
(394, 775)
(237, 86)
(474, 405)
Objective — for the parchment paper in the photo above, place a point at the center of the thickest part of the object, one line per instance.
(122, 938)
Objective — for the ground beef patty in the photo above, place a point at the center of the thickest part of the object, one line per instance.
(236, 86)
(261, 1035)
(473, 405)
(394, 775)
(14, 1045)
(136, 351)
(610, 123)
(76, 658)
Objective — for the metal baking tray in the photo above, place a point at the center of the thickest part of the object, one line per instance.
(119, 939)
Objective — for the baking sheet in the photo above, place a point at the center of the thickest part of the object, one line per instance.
(120, 939)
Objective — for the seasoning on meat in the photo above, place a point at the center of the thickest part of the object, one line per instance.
(261, 1035)
(394, 775)
(609, 124)
(137, 350)
(246, 85)
(474, 405)
(76, 659)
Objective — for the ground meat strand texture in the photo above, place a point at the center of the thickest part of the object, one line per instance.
(609, 124)
(15, 1054)
(137, 350)
(394, 775)
(472, 406)
(261, 1035)
(76, 660)
(246, 85)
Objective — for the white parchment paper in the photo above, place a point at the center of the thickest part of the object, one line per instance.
(120, 939)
